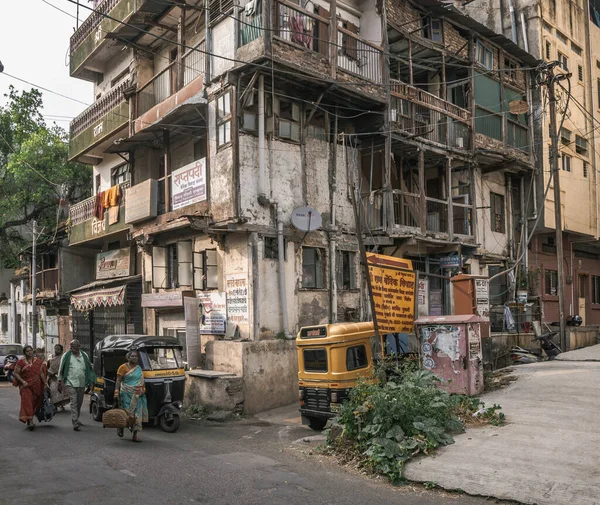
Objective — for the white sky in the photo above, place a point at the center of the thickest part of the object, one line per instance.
(34, 43)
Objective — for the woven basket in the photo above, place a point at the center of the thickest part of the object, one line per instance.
(117, 418)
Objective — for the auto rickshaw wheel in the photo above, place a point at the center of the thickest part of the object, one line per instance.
(169, 422)
(316, 423)
(96, 412)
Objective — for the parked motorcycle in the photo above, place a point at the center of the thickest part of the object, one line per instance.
(519, 355)
(10, 363)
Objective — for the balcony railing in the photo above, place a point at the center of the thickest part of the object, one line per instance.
(250, 26)
(429, 100)
(98, 109)
(372, 211)
(358, 56)
(164, 84)
(92, 22)
(99, 121)
(303, 28)
(84, 210)
(406, 209)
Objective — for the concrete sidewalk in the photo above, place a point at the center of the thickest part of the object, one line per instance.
(591, 353)
(548, 452)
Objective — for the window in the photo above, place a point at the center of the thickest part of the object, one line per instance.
(551, 282)
(315, 360)
(356, 357)
(158, 358)
(566, 162)
(206, 270)
(580, 73)
(563, 62)
(432, 29)
(548, 245)
(313, 268)
(120, 174)
(511, 69)
(349, 43)
(160, 266)
(250, 111)
(497, 212)
(547, 27)
(4, 322)
(561, 37)
(484, 56)
(172, 265)
(185, 269)
(288, 124)
(565, 136)
(98, 183)
(585, 169)
(581, 145)
(595, 289)
(224, 120)
(271, 248)
(576, 49)
(346, 270)
(548, 50)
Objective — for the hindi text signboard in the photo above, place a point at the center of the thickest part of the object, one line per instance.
(394, 285)
(111, 264)
(189, 184)
(213, 318)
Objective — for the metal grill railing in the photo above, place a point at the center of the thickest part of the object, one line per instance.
(406, 209)
(84, 210)
(250, 26)
(194, 63)
(303, 28)
(437, 215)
(358, 56)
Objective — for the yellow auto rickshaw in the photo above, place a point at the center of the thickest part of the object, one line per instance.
(331, 358)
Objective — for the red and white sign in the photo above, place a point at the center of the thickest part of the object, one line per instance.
(189, 184)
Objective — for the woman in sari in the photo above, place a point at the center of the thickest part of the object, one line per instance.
(31, 377)
(59, 399)
(131, 393)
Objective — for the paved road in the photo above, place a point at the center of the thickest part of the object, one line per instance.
(547, 454)
(246, 462)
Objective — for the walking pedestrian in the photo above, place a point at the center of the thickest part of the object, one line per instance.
(31, 378)
(58, 398)
(76, 374)
(130, 391)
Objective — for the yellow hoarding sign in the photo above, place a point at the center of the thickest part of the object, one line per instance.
(394, 285)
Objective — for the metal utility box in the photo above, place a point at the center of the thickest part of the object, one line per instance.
(471, 294)
(450, 347)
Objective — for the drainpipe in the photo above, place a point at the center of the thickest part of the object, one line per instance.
(332, 241)
(282, 291)
(524, 29)
(510, 223)
(513, 21)
(261, 140)
(255, 285)
(524, 231)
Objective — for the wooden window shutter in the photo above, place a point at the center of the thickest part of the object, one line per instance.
(323, 33)
(351, 42)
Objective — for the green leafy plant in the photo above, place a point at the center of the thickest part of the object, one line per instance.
(387, 423)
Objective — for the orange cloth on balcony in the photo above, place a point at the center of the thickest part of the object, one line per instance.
(112, 196)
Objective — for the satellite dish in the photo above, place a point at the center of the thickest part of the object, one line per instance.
(306, 219)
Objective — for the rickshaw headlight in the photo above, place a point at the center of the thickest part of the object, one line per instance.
(301, 394)
(178, 404)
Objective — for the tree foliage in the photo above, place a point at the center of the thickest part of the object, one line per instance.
(36, 178)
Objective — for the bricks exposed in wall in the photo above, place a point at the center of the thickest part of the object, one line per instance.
(401, 14)
(455, 42)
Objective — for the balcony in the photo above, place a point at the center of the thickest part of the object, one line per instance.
(161, 94)
(86, 227)
(424, 116)
(97, 124)
(103, 33)
(413, 215)
(307, 41)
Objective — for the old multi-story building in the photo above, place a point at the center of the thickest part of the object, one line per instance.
(228, 142)
(567, 32)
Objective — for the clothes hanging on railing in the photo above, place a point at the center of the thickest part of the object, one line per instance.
(99, 205)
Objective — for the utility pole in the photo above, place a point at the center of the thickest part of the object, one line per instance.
(551, 80)
(364, 263)
(34, 287)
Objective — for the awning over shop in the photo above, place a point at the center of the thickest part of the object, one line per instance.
(108, 297)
